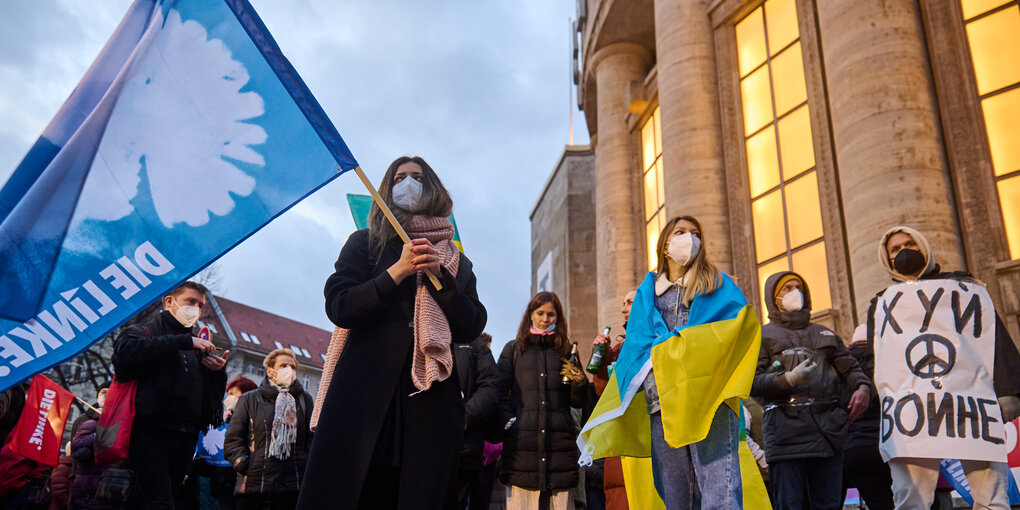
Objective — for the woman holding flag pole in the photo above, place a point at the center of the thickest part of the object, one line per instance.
(692, 343)
(391, 420)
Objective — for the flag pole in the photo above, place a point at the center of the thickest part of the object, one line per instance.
(393, 220)
(86, 404)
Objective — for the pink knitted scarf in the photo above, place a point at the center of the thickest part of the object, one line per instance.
(433, 360)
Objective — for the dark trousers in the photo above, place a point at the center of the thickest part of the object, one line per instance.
(474, 488)
(277, 501)
(809, 484)
(160, 461)
(864, 469)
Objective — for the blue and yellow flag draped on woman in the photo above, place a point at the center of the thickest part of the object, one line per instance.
(697, 367)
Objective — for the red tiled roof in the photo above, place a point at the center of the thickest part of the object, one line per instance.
(260, 331)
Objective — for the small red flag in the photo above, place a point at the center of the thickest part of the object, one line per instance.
(41, 426)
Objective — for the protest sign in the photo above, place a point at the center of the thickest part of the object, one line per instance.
(934, 353)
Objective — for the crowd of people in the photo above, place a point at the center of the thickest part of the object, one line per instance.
(415, 412)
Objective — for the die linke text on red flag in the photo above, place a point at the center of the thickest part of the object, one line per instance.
(41, 426)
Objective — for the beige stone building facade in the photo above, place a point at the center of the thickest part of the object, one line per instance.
(563, 241)
(798, 131)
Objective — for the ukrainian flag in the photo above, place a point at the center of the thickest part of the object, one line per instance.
(361, 206)
(698, 367)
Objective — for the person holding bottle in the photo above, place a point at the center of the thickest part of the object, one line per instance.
(540, 385)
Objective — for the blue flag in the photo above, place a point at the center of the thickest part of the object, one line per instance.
(188, 133)
(210, 446)
(952, 470)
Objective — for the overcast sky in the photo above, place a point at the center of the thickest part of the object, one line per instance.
(478, 89)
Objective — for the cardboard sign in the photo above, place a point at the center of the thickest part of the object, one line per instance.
(934, 353)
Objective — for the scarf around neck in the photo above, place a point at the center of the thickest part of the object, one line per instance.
(284, 433)
(433, 359)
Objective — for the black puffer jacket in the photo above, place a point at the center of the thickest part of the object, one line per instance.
(540, 450)
(817, 425)
(175, 391)
(246, 445)
(476, 372)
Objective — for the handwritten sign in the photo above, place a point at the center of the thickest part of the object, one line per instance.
(934, 356)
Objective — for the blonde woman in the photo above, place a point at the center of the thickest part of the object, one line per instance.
(692, 343)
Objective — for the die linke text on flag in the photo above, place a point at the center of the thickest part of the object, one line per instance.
(41, 426)
(188, 133)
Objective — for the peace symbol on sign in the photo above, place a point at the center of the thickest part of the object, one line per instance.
(930, 365)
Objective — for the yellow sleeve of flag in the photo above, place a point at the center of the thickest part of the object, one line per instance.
(753, 487)
(629, 435)
(640, 484)
(700, 369)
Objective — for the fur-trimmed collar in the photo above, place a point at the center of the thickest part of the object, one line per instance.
(662, 283)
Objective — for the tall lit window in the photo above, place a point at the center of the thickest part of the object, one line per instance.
(993, 31)
(785, 208)
(655, 195)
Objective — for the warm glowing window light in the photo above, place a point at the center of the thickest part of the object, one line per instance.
(655, 193)
(786, 211)
(993, 32)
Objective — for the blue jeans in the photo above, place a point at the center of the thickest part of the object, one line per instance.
(705, 474)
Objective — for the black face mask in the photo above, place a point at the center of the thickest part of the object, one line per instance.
(909, 262)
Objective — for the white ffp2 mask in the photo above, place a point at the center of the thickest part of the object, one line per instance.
(407, 194)
(793, 300)
(285, 376)
(683, 248)
(187, 315)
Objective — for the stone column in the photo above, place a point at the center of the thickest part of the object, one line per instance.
(617, 236)
(886, 133)
(691, 127)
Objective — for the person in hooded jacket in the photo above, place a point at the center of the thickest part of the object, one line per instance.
(802, 377)
(906, 255)
(540, 387)
(269, 437)
(392, 417)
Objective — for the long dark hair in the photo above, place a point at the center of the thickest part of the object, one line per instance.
(561, 339)
(435, 201)
(705, 276)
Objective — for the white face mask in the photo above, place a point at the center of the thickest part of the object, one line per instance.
(793, 300)
(187, 315)
(407, 194)
(101, 400)
(683, 248)
(230, 402)
(285, 376)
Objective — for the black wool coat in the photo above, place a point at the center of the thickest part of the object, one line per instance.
(246, 445)
(368, 417)
(175, 390)
(540, 449)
